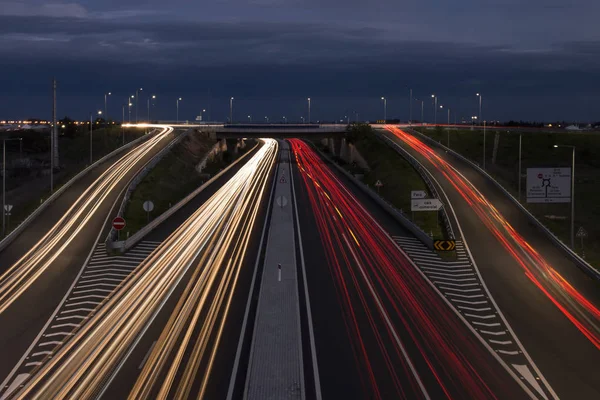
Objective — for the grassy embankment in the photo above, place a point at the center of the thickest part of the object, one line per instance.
(175, 176)
(74, 155)
(398, 176)
(537, 151)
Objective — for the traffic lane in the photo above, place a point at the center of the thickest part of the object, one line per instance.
(50, 216)
(166, 228)
(222, 368)
(423, 358)
(339, 372)
(565, 357)
(30, 312)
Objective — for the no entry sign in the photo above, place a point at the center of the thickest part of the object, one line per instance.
(118, 223)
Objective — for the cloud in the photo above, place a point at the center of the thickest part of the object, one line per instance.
(33, 9)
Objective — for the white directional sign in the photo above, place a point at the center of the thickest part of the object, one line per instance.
(8, 207)
(418, 194)
(548, 185)
(378, 183)
(282, 201)
(425, 205)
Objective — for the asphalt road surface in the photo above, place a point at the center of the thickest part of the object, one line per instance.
(551, 305)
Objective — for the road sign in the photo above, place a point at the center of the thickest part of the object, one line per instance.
(425, 205)
(282, 179)
(282, 201)
(444, 245)
(548, 185)
(581, 232)
(418, 194)
(148, 206)
(118, 223)
(378, 183)
(8, 207)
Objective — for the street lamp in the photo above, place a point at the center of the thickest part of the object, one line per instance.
(267, 118)
(308, 110)
(480, 97)
(130, 105)
(178, 100)
(136, 103)
(384, 109)
(284, 120)
(433, 96)
(249, 118)
(231, 110)
(91, 130)
(572, 193)
(106, 106)
(153, 98)
(302, 118)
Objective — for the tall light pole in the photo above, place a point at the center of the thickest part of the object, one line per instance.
(231, 110)
(106, 108)
(410, 109)
(302, 118)
(384, 109)
(53, 138)
(480, 97)
(91, 130)
(520, 155)
(434, 97)
(178, 100)
(484, 135)
(284, 120)
(149, 105)
(4, 183)
(572, 193)
(267, 119)
(249, 118)
(123, 128)
(130, 105)
(136, 103)
(308, 110)
(447, 128)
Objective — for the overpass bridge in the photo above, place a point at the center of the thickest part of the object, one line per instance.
(282, 131)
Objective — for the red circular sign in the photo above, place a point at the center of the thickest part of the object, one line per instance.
(540, 176)
(118, 223)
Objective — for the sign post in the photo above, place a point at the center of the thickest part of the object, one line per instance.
(548, 185)
(582, 233)
(148, 206)
(118, 224)
(378, 184)
(7, 208)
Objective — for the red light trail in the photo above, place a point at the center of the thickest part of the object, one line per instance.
(580, 311)
(407, 320)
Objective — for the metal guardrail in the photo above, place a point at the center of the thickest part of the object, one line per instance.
(393, 211)
(19, 229)
(425, 176)
(142, 174)
(580, 262)
(125, 245)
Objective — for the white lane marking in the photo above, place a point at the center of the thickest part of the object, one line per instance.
(117, 266)
(59, 334)
(494, 333)
(387, 320)
(526, 373)
(92, 290)
(475, 309)
(76, 310)
(460, 290)
(40, 353)
(457, 284)
(469, 302)
(89, 281)
(486, 324)
(116, 271)
(147, 355)
(450, 275)
(96, 285)
(50, 343)
(63, 325)
(502, 342)
(465, 296)
(454, 279)
(33, 363)
(15, 384)
(70, 317)
(87, 297)
(446, 270)
(94, 303)
(510, 353)
(480, 316)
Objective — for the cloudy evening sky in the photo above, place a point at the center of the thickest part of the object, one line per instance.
(531, 59)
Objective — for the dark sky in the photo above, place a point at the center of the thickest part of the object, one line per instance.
(531, 59)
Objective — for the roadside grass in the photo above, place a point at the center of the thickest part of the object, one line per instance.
(398, 176)
(538, 151)
(74, 155)
(174, 177)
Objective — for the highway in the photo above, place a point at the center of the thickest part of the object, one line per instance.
(204, 255)
(40, 265)
(380, 327)
(550, 303)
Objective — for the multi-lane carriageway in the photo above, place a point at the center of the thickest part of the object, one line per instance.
(389, 319)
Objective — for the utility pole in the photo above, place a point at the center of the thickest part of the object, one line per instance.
(91, 128)
(122, 128)
(411, 105)
(309, 110)
(53, 137)
(484, 145)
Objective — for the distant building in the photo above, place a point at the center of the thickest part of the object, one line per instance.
(572, 128)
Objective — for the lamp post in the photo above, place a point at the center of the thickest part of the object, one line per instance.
(480, 97)
(106, 107)
(572, 193)
(520, 147)
(384, 109)
(447, 128)
(267, 119)
(308, 110)
(434, 97)
(410, 109)
(91, 130)
(231, 110)
(122, 128)
(130, 105)
(249, 118)
(178, 100)
(4, 183)
(284, 120)
(302, 118)
(136, 103)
